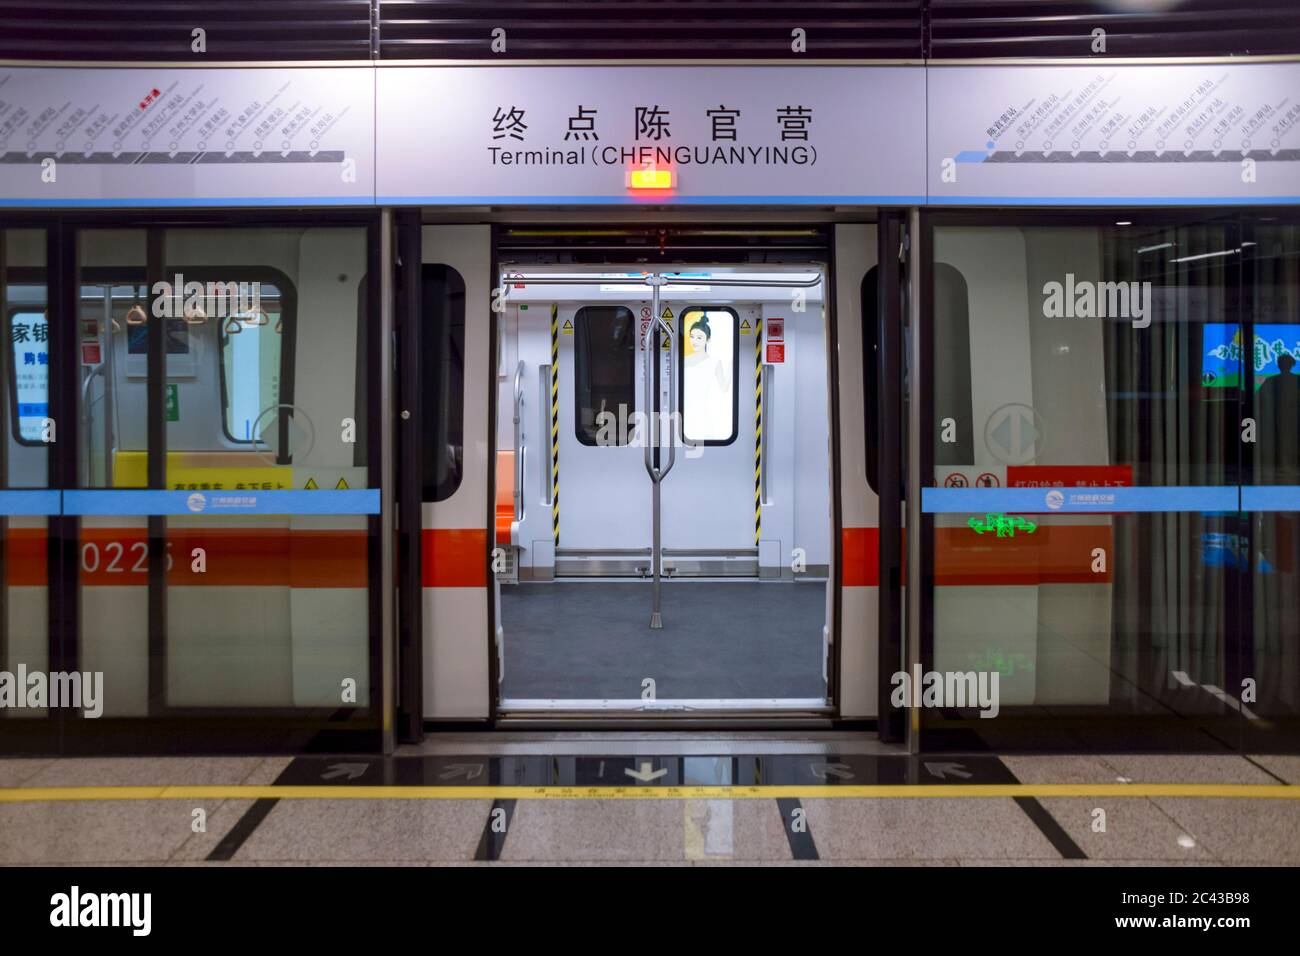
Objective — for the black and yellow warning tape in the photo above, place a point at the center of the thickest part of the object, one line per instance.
(555, 421)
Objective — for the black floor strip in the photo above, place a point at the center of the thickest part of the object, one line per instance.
(241, 831)
(491, 843)
(1048, 826)
(1256, 763)
(802, 846)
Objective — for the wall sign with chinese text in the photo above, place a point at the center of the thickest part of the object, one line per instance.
(572, 134)
(1203, 133)
(173, 136)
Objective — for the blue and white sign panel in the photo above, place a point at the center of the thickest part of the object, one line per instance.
(1089, 134)
(357, 501)
(519, 135)
(178, 137)
(1079, 500)
(1270, 498)
(1211, 133)
(30, 503)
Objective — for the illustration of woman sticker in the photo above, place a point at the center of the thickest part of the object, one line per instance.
(707, 388)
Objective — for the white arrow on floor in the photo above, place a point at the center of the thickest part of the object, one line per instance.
(350, 770)
(942, 770)
(645, 774)
(467, 770)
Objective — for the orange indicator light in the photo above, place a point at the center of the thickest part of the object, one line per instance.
(650, 178)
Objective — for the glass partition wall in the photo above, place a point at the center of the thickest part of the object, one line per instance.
(26, 503)
(1110, 499)
(212, 552)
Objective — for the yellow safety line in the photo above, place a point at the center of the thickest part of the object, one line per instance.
(1227, 791)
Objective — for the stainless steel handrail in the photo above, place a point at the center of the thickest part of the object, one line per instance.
(655, 439)
(544, 379)
(87, 419)
(763, 456)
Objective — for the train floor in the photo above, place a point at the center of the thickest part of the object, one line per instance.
(591, 640)
(460, 799)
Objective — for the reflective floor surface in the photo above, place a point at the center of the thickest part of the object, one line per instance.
(662, 799)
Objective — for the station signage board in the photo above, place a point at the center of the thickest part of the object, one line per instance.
(1099, 133)
(653, 134)
(1211, 133)
(157, 136)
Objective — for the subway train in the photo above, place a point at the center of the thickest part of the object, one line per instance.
(540, 546)
(581, 558)
(349, 401)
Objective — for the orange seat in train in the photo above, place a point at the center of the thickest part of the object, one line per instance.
(505, 495)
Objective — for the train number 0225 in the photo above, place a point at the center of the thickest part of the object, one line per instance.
(118, 557)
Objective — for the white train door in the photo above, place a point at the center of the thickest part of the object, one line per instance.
(604, 526)
(455, 399)
(708, 498)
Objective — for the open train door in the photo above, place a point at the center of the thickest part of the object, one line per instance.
(444, 328)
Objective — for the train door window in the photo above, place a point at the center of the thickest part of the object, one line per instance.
(870, 368)
(254, 348)
(442, 342)
(708, 375)
(604, 370)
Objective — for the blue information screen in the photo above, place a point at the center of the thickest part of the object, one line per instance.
(29, 337)
(1222, 356)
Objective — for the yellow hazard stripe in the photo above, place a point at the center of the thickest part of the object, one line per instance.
(758, 431)
(1222, 791)
(555, 421)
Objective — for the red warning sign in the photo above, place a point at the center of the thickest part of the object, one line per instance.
(1069, 476)
(956, 480)
(90, 353)
(988, 480)
(775, 353)
(776, 330)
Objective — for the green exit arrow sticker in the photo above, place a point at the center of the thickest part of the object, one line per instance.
(173, 403)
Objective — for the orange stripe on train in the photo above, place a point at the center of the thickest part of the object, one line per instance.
(455, 558)
(235, 557)
(1054, 554)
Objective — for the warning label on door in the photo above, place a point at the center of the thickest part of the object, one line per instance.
(775, 353)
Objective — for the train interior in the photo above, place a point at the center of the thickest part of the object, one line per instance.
(714, 380)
